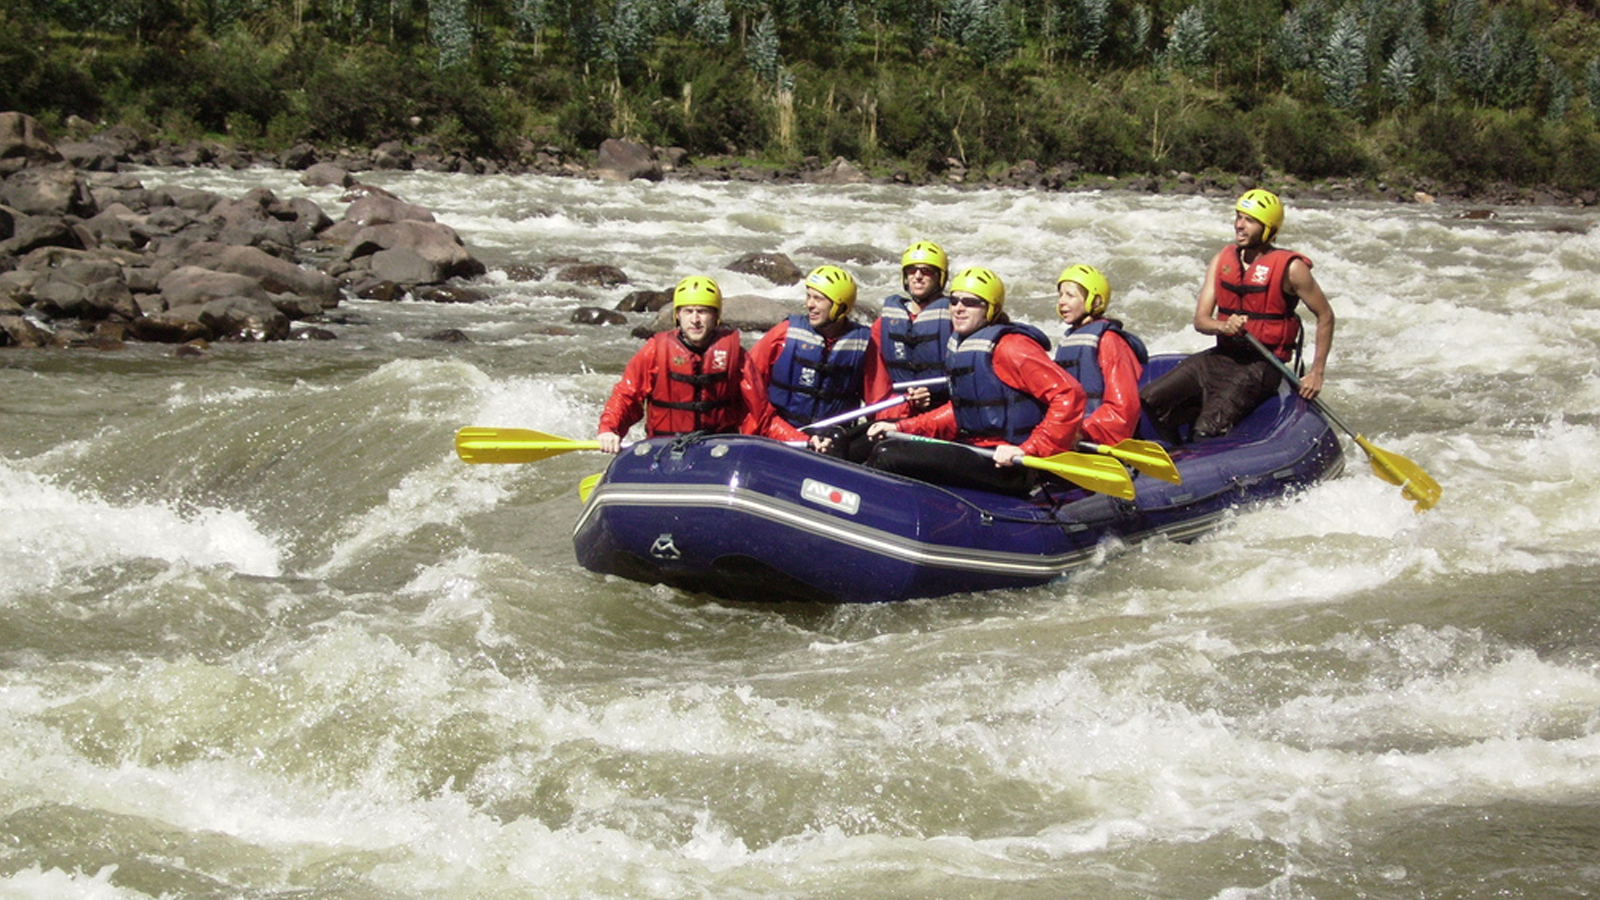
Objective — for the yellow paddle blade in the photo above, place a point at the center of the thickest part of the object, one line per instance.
(1415, 484)
(513, 445)
(586, 486)
(1096, 473)
(1148, 457)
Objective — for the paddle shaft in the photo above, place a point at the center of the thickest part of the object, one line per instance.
(1294, 381)
(886, 403)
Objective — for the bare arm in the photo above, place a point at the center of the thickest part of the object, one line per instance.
(1310, 293)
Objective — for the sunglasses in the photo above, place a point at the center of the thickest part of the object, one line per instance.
(924, 271)
(968, 301)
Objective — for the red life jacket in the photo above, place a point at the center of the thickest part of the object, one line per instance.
(1257, 291)
(700, 391)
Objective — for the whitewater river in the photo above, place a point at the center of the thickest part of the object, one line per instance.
(263, 636)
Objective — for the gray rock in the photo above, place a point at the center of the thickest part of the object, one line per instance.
(594, 315)
(16, 287)
(48, 191)
(168, 328)
(19, 331)
(276, 275)
(89, 156)
(244, 319)
(57, 297)
(34, 232)
(525, 272)
(434, 241)
(194, 286)
(298, 157)
(644, 301)
(448, 293)
(774, 267)
(23, 143)
(840, 171)
(624, 161)
(376, 210)
(593, 274)
(111, 229)
(403, 265)
(391, 155)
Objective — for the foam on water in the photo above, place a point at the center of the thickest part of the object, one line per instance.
(53, 531)
(468, 714)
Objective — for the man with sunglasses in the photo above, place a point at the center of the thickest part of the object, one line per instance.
(1006, 394)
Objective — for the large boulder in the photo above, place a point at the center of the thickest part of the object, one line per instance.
(323, 174)
(774, 267)
(48, 191)
(17, 331)
(32, 232)
(840, 171)
(23, 143)
(196, 286)
(433, 241)
(60, 296)
(625, 161)
(278, 276)
(90, 156)
(404, 266)
(593, 275)
(374, 209)
(167, 328)
(244, 319)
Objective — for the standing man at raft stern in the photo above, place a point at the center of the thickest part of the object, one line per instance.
(1106, 360)
(1006, 393)
(914, 327)
(688, 377)
(1251, 287)
(813, 365)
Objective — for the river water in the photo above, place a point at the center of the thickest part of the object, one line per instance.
(262, 635)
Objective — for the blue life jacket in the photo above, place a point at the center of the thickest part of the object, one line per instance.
(811, 380)
(985, 406)
(913, 349)
(1079, 354)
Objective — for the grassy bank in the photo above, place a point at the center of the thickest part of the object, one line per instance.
(1464, 94)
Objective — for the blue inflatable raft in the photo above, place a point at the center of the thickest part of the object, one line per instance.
(748, 518)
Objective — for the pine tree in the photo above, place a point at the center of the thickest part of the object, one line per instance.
(1342, 65)
(450, 32)
(762, 51)
(1189, 48)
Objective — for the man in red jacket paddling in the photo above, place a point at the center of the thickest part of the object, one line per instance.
(688, 377)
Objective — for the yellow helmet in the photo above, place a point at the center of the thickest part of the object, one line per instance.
(697, 290)
(837, 285)
(1264, 207)
(925, 253)
(1093, 283)
(985, 284)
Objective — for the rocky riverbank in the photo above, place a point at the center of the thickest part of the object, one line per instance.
(91, 256)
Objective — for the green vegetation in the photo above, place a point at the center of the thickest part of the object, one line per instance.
(1472, 92)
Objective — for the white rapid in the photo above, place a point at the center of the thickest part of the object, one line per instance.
(261, 635)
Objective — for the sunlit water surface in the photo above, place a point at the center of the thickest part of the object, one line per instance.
(262, 635)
